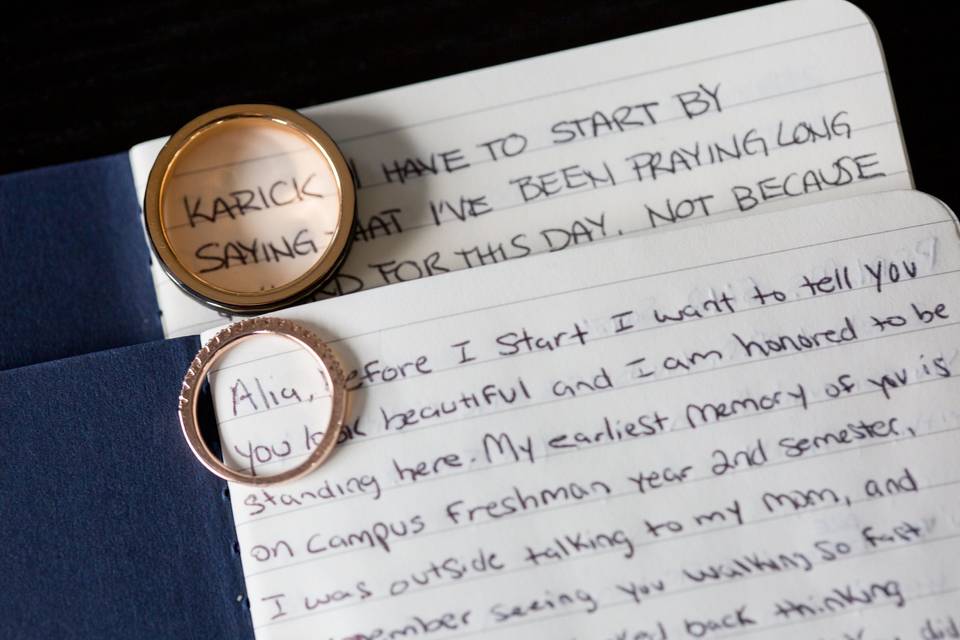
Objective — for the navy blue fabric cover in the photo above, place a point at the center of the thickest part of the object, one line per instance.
(74, 262)
(109, 527)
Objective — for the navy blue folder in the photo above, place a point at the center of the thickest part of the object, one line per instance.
(110, 528)
(74, 263)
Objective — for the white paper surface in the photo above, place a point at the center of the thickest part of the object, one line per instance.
(677, 125)
(741, 429)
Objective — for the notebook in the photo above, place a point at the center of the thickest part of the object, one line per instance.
(743, 428)
(748, 112)
(711, 182)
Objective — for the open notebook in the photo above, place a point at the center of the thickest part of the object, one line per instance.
(739, 429)
(725, 410)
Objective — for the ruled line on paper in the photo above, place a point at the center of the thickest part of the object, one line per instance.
(284, 154)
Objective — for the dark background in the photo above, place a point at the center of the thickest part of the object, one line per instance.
(78, 82)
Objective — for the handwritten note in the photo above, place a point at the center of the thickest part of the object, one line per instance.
(746, 429)
(747, 112)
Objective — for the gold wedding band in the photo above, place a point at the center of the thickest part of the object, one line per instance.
(208, 356)
(250, 208)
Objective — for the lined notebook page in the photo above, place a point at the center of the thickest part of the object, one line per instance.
(756, 110)
(749, 430)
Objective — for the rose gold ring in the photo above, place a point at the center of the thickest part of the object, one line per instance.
(217, 347)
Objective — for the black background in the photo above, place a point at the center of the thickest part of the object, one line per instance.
(79, 82)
